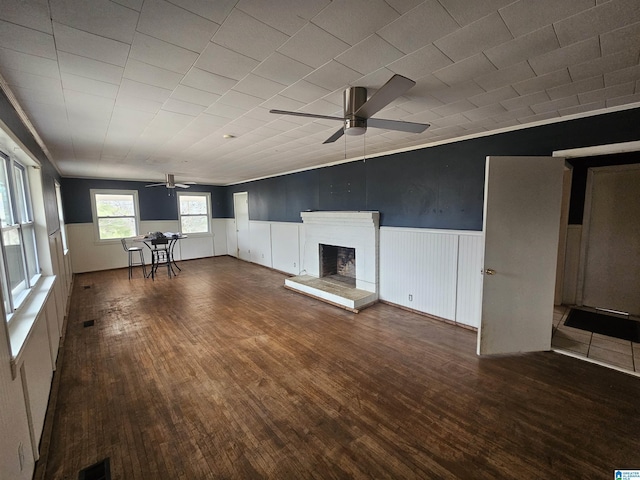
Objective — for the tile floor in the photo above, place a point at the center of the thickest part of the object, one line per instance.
(613, 351)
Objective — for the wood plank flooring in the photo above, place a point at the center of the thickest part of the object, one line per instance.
(222, 373)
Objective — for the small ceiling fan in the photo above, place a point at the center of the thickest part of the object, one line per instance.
(169, 182)
(358, 110)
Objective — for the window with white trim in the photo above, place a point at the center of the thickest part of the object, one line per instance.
(115, 213)
(19, 263)
(194, 212)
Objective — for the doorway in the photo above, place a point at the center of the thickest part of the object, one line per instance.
(241, 214)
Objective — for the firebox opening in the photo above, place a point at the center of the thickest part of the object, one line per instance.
(338, 263)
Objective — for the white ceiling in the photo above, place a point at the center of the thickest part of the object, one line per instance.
(134, 89)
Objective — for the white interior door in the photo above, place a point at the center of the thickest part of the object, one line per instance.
(611, 239)
(241, 213)
(523, 197)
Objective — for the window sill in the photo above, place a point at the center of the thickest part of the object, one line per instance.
(24, 319)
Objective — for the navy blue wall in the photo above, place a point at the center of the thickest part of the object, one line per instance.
(49, 174)
(439, 187)
(155, 203)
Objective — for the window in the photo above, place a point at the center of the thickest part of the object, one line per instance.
(19, 263)
(115, 213)
(193, 209)
(63, 230)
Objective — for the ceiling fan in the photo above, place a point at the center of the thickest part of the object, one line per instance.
(358, 110)
(169, 182)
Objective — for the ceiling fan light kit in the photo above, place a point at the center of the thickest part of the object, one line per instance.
(169, 182)
(358, 110)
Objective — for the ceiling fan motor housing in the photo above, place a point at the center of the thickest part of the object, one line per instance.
(354, 98)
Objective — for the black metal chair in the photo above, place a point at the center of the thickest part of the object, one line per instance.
(130, 252)
(160, 255)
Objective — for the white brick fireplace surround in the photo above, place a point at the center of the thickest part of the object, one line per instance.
(358, 230)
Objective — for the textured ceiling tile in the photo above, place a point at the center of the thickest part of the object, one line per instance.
(193, 95)
(132, 4)
(287, 16)
(473, 38)
(465, 70)
(81, 43)
(614, 102)
(454, 108)
(125, 100)
(613, 14)
(493, 96)
(226, 111)
(563, 57)
(162, 54)
(420, 63)
(258, 40)
(505, 76)
(27, 40)
(578, 109)
(522, 48)
(145, 73)
(186, 108)
(100, 17)
(89, 85)
(258, 87)
(303, 46)
(354, 20)
(614, 91)
(550, 80)
(554, 105)
(624, 75)
(209, 82)
(282, 69)
(484, 112)
(525, 16)
(466, 12)
(24, 62)
(163, 20)
(28, 97)
(403, 6)
(142, 90)
(30, 81)
(419, 27)
(215, 11)
(460, 91)
(32, 14)
(225, 62)
(540, 117)
(90, 68)
(602, 65)
(620, 39)
(332, 76)
(239, 99)
(369, 55)
(574, 88)
(525, 101)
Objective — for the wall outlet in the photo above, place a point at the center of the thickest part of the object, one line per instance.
(263, 255)
(294, 264)
(410, 298)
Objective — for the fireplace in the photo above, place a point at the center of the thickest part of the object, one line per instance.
(331, 243)
(338, 263)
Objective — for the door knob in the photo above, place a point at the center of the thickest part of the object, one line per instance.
(489, 271)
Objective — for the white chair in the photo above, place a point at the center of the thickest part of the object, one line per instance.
(130, 251)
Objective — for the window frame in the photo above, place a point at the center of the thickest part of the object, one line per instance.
(22, 220)
(96, 227)
(207, 195)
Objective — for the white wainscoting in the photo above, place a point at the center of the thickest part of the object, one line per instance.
(440, 269)
(88, 255)
(232, 237)
(433, 271)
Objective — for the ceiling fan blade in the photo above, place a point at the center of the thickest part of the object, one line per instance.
(302, 114)
(397, 125)
(156, 185)
(335, 136)
(182, 185)
(395, 87)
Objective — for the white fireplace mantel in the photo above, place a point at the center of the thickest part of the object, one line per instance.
(341, 218)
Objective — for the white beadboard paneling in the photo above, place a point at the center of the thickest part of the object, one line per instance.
(571, 264)
(260, 243)
(469, 294)
(219, 230)
(285, 247)
(36, 374)
(52, 330)
(420, 264)
(194, 247)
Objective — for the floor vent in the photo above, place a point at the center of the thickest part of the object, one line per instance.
(86, 287)
(88, 323)
(97, 471)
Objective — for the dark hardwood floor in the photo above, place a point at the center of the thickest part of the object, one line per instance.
(221, 372)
